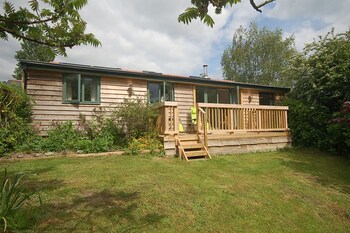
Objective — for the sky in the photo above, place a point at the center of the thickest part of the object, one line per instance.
(145, 35)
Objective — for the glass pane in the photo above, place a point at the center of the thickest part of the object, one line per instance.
(154, 92)
(212, 98)
(169, 92)
(266, 98)
(234, 95)
(72, 88)
(200, 94)
(224, 96)
(89, 89)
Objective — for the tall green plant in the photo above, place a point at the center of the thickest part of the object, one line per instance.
(13, 197)
(15, 114)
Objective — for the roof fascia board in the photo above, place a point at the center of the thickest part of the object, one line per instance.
(91, 70)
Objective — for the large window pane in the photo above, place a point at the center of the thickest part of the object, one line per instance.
(89, 89)
(266, 98)
(212, 95)
(224, 96)
(234, 95)
(200, 92)
(154, 92)
(169, 92)
(72, 88)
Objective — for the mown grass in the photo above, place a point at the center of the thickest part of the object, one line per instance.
(284, 191)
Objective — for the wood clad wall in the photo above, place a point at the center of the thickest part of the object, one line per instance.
(245, 93)
(45, 88)
(184, 96)
(114, 90)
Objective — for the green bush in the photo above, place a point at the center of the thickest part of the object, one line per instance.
(130, 125)
(135, 117)
(62, 137)
(321, 87)
(149, 141)
(102, 125)
(15, 116)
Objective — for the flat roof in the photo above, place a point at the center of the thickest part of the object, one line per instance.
(146, 75)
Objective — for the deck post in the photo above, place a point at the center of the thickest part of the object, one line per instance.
(206, 128)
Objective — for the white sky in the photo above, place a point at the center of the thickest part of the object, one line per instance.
(145, 35)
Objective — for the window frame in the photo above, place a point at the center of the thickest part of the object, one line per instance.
(161, 91)
(231, 91)
(81, 83)
(265, 94)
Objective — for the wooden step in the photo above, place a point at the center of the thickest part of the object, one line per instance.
(189, 142)
(196, 153)
(189, 137)
(192, 146)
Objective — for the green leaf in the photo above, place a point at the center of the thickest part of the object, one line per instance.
(34, 5)
(189, 14)
(208, 20)
(8, 7)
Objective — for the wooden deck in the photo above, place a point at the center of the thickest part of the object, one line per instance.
(226, 128)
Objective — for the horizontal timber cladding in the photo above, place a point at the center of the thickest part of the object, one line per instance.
(184, 96)
(45, 89)
(249, 96)
(237, 143)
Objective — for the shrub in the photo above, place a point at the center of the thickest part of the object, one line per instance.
(103, 125)
(62, 137)
(15, 114)
(321, 87)
(130, 125)
(149, 141)
(135, 117)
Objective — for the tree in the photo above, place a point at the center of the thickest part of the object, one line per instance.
(200, 9)
(318, 102)
(32, 51)
(258, 56)
(54, 23)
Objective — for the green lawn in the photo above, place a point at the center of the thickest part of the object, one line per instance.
(284, 191)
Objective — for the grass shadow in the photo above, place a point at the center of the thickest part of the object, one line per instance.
(325, 169)
(30, 213)
(85, 213)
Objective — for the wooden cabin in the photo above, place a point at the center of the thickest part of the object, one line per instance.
(219, 116)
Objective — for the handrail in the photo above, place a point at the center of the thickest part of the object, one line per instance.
(202, 117)
(182, 153)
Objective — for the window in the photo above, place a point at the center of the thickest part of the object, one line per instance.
(81, 89)
(213, 95)
(160, 91)
(223, 96)
(266, 98)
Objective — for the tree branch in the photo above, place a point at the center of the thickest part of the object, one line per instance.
(3, 19)
(13, 33)
(257, 7)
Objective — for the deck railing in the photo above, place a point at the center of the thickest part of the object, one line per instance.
(234, 117)
(221, 118)
(168, 119)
